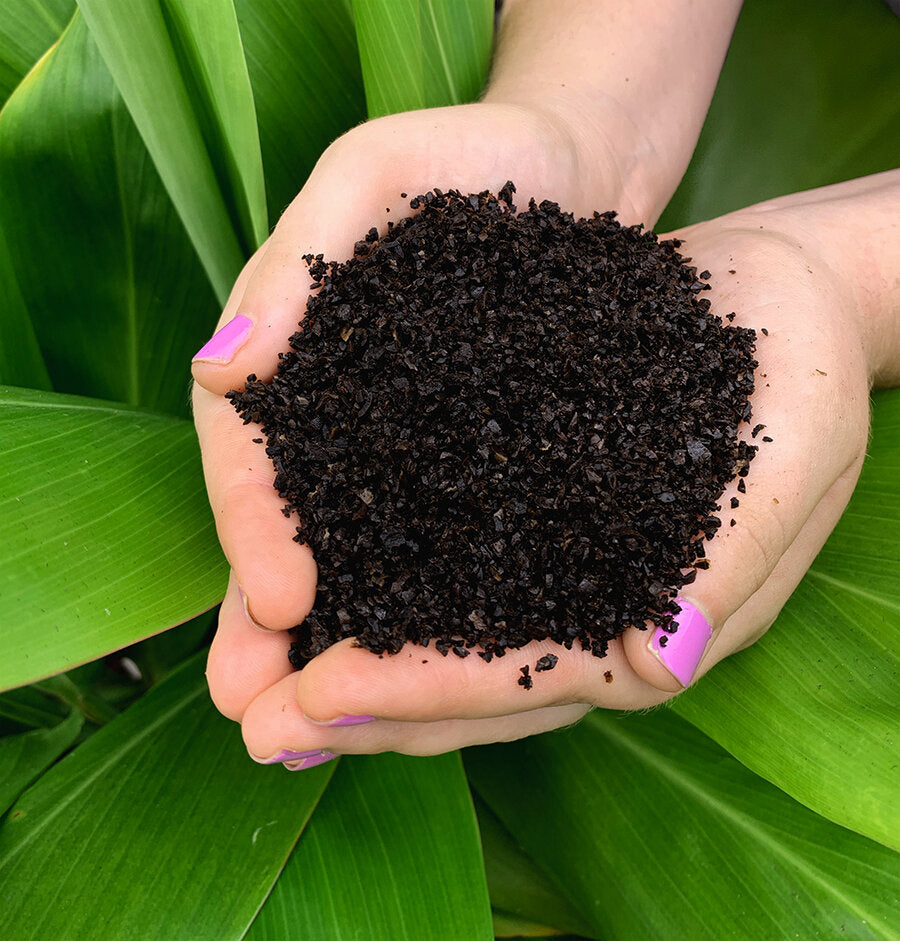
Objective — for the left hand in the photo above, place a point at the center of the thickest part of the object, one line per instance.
(774, 265)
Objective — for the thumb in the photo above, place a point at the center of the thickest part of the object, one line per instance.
(335, 207)
(774, 522)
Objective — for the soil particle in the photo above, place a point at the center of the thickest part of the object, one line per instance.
(498, 427)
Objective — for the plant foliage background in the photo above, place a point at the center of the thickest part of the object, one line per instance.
(146, 147)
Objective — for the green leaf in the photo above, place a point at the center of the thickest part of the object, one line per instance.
(808, 96)
(813, 705)
(30, 708)
(392, 853)
(307, 86)
(28, 28)
(106, 531)
(653, 832)
(422, 53)
(159, 826)
(519, 890)
(117, 297)
(21, 362)
(24, 757)
(180, 68)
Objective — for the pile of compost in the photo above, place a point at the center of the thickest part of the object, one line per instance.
(496, 427)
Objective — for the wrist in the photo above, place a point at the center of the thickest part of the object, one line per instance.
(613, 163)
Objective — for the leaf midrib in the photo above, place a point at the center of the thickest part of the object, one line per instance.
(747, 824)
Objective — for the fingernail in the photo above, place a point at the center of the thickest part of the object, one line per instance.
(226, 342)
(345, 720)
(681, 652)
(316, 756)
(310, 762)
(250, 617)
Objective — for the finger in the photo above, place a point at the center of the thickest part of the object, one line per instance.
(756, 615)
(278, 576)
(420, 685)
(818, 427)
(244, 660)
(275, 730)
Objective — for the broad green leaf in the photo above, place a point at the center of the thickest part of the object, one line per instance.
(159, 826)
(117, 297)
(392, 853)
(28, 28)
(307, 86)
(520, 892)
(105, 530)
(809, 95)
(422, 53)
(180, 68)
(27, 708)
(23, 757)
(21, 362)
(653, 832)
(813, 706)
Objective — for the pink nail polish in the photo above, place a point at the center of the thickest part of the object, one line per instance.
(226, 342)
(345, 720)
(681, 652)
(287, 755)
(311, 762)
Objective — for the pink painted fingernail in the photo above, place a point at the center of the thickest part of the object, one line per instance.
(681, 652)
(226, 342)
(285, 755)
(345, 720)
(311, 762)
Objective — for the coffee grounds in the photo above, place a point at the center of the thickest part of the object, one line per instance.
(498, 427)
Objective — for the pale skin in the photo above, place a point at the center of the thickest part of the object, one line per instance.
(815, 269)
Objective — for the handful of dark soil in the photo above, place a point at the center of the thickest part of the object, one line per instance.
(499, 427)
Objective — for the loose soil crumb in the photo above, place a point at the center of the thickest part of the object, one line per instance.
(498, 427)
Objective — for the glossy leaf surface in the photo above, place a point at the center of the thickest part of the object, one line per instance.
(422, 53)
(28, 28)
(180, 68)
(808, 96)
(106, 530)
(307, 85)
(392, 853)
(652, 831)
(25, 756)
(160, 825)
(117, 297)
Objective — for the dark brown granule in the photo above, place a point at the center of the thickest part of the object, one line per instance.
(742, 486)
(608, 676)
(499, 427)
(525, 679)
(547, 662)
(756, 430)
(735, 503)
(767, 439)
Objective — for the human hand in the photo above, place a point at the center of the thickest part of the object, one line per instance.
(575, 129)
(775, 265)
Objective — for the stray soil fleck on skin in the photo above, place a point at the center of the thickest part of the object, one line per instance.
(497, 427)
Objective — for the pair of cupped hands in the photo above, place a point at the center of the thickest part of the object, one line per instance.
(814, 374)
